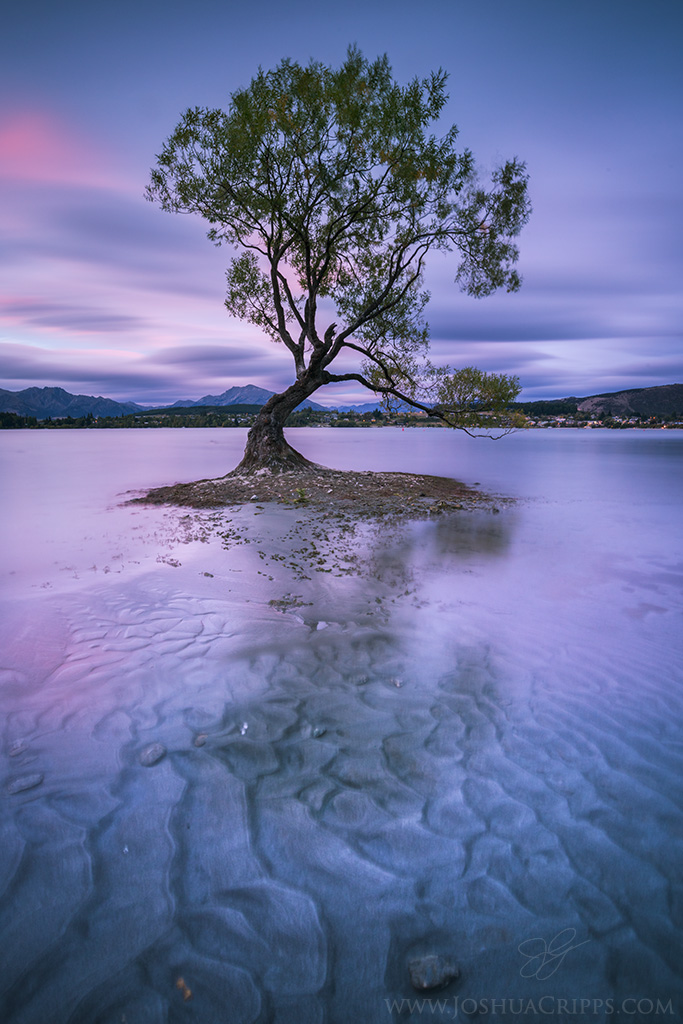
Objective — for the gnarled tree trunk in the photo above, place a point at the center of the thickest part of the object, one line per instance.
(267, 447)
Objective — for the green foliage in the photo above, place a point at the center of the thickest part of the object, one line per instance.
(469, 397)
(549, 407)
(332, 186)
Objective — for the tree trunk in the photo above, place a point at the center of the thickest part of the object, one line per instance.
(267, 448)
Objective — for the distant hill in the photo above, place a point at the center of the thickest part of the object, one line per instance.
(190, 411)
(247, 395)
(365, 407)
(252, 395)
(56, 402)
(664, 400)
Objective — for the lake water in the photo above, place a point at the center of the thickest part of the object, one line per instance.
(461, 737)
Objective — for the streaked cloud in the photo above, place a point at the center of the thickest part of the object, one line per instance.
(36, 146)
(71, 318)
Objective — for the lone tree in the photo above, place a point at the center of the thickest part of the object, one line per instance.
(329, 184)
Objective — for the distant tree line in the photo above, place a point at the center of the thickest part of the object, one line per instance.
(12, 420)
(554, 407)
(244, 416)
(211, 416)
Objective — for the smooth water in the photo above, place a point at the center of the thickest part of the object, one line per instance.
(461, 737)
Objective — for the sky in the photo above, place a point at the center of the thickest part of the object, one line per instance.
(103, 293)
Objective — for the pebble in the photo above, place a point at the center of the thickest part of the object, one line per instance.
(200, 739)
(432, 972)
(151, 754)
(23, 782)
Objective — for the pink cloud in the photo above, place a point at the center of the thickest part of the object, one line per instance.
(37, 147)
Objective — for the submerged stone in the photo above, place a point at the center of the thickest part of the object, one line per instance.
(432, 972)
(151, 754)
(23, 782)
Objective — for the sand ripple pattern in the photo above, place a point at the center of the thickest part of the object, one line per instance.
(329, 807)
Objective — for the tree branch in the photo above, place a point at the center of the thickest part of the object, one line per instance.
(338, 378)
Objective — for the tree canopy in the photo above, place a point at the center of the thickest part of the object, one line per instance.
(334, 191)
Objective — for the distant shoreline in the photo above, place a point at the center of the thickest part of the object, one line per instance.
(227, 419)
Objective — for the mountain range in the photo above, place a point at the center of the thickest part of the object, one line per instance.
(247, 395)
(664, 400)
(252, 395)
(56, 402)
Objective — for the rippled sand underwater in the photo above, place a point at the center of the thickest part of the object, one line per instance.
(467, 742)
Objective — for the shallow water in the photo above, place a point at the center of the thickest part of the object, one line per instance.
(466, 739)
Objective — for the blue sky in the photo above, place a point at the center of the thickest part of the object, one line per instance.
(103, 293)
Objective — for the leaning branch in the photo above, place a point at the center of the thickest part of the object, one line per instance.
(336, 378)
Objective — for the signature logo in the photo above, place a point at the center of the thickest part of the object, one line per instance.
(544, 958)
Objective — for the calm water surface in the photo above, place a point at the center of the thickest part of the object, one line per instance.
(465, 740)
